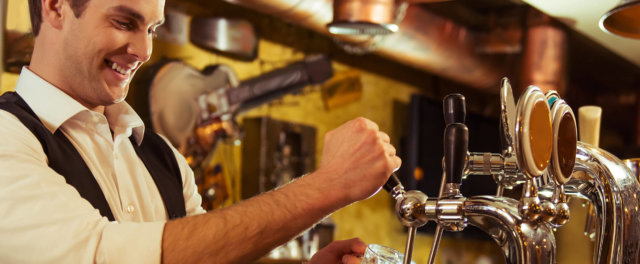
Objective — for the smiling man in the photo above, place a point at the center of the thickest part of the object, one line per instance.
(82, 181)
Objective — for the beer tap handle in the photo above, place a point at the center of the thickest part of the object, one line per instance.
(589, 118)
(456, 141)
(393, 186)
(454, 109)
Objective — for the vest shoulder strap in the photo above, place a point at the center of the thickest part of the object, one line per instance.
(159, 159)
(62, 156)
(65, 160)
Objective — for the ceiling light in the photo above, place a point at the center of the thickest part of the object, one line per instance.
(623, 20)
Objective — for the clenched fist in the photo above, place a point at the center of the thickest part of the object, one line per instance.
(357, 159)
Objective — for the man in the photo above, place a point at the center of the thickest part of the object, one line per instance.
(68, 116)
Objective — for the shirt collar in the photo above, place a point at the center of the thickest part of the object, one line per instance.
(54, 107)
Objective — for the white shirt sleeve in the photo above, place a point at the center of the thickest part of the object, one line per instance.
(45, 220)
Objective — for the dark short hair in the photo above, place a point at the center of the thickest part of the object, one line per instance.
(35, 10)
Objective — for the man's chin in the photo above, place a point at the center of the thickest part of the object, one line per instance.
(121, 93)
(118, 100)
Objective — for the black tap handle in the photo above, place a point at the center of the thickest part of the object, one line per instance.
(391, 183)
(454, 109)
(456, 141)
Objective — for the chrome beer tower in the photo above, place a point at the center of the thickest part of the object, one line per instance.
(540, 151)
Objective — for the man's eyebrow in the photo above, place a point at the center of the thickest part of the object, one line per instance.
(134, 14)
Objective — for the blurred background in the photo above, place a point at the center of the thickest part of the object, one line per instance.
(397, 79)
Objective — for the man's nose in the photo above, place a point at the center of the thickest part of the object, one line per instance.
(141, 47)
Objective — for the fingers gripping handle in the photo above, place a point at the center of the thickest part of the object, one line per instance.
(456, 141)
(393, 186)
(454, 109)
(392, 182)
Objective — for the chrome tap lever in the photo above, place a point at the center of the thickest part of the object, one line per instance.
(408, 210)
(408, 248)
(436, 243)
(455, 111)
(456, 141)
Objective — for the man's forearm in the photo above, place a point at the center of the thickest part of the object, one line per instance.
(357, 159)
(248, 230)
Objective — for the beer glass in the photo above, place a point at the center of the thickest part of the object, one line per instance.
(378, 254)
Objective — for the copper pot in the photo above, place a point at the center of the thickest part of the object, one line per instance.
(363, 17)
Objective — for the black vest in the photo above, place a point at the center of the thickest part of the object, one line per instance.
(154, 152)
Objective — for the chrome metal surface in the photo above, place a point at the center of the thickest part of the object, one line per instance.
(499, 190)
(410, 209)
(507, 117)
(522, 241)
(530, 207)
(589, 118)
(450, 189)
(397, 192)
(408, 248)
(634, 166)
(548, 212)
(614, 191)
(562, 208)
(450, 215)
(436, 244)
(431, 207)
(504, 170)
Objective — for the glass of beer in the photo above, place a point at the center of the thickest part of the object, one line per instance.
(378, 254)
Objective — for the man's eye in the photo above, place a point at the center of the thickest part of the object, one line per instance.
(123, 25)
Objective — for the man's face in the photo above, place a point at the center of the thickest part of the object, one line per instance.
(105, 46)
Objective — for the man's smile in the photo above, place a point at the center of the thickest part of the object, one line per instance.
(121, 69)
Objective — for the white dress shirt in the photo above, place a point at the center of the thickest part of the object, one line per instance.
(45, 220)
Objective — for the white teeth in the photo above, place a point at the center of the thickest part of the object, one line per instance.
(121, 70)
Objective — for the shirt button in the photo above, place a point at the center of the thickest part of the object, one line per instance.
(130, 209)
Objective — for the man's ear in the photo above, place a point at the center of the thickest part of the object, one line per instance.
(52, 12)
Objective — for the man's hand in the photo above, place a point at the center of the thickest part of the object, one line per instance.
(357, 159)
(341, 252)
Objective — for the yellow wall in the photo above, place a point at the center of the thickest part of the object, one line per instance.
(17, 20)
